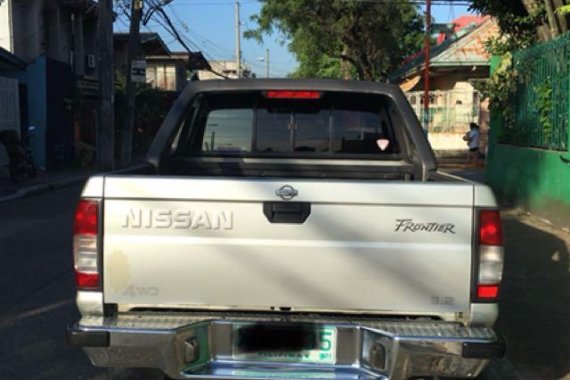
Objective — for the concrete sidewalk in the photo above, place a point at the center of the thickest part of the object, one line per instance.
(44, 181)
(458, 168)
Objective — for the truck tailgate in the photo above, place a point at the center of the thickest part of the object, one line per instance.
(368, 246)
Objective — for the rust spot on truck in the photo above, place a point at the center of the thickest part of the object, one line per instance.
(118, 268)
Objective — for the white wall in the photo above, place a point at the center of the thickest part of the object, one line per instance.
(5, 30)
(447, 141)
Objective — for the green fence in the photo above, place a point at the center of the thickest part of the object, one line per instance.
(540, 68)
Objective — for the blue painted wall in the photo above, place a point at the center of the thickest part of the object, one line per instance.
(37, 106)
(34, 77)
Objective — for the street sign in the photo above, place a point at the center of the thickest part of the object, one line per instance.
(138, 71)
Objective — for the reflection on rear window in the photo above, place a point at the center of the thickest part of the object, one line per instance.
(228, 130)
(335, 124)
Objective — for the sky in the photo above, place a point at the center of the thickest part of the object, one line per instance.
(209, 26)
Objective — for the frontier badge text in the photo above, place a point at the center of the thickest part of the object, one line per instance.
(408, 225)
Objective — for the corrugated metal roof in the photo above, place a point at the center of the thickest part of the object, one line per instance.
(150, 41)
(466, 49)
(470, 49)
(10, 61)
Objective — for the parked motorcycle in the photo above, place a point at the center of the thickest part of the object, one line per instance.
(21, 162)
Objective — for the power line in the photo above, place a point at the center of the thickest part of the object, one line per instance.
(219, 49)
(216, 47)
(170, 28)
(222, 51)
(414, 2)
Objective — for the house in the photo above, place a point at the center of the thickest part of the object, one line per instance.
(166, 70)
(172, 72)
(56, 39)
(150, 44)
(10, 116)
(458, 64)
(224, 70)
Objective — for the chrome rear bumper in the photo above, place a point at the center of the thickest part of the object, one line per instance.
(201, 346)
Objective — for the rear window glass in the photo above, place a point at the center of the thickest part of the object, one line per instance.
(335, 124)
(228, 130)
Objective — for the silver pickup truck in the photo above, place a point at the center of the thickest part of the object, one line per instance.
(288, 229)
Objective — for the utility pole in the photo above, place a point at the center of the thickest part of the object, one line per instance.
(132, 54)
(105, 152)
(267, 63)
(427, 52)
(238, 42)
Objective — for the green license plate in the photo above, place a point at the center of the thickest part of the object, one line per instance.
(285, 343)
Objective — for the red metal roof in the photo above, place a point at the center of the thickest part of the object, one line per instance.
(460, 23)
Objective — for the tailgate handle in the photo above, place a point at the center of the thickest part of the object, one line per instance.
(287, 212)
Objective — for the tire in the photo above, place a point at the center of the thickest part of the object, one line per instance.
(134, 374)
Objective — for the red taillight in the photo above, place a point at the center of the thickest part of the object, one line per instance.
(292, 94)
(87, 280)
(491, 256)
(490, 230)
(85, 245)
(86, 218)
(487, 292)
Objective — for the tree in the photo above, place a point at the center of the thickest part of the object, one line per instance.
(340, 38)
(525, 20)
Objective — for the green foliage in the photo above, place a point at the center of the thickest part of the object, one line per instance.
(500, 87)
(564, 10)
(544, 107)
(152, 105)
(518, 28)
(518, 32)
(339, 38)
(322, 67)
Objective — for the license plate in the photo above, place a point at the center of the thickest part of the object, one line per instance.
(285, 343)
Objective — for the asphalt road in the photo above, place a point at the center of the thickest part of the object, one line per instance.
(37, 295)
(37, 289)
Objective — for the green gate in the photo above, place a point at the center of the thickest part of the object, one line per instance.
(541, 102)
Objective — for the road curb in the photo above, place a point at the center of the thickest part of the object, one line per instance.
(43, 188)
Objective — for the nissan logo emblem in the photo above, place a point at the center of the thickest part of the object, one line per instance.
(286, 192)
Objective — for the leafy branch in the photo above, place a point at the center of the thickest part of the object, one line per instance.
(563, 10)
(500, 87)
(544, 107)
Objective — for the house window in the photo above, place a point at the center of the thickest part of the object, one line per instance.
(166, 77)
(151, 75)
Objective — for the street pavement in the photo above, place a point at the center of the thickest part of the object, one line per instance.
(535, 299)
(37, 289)
(44, 181)
(37, 293)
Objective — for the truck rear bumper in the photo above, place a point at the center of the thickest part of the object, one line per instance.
(204, 347)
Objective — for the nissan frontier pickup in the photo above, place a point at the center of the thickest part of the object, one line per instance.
(288, 229)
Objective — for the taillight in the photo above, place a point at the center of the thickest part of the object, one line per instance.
(491, 256)
(490, 230)
(85, 245)
(292, 94)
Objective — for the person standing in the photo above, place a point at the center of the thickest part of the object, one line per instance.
(472, 138)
